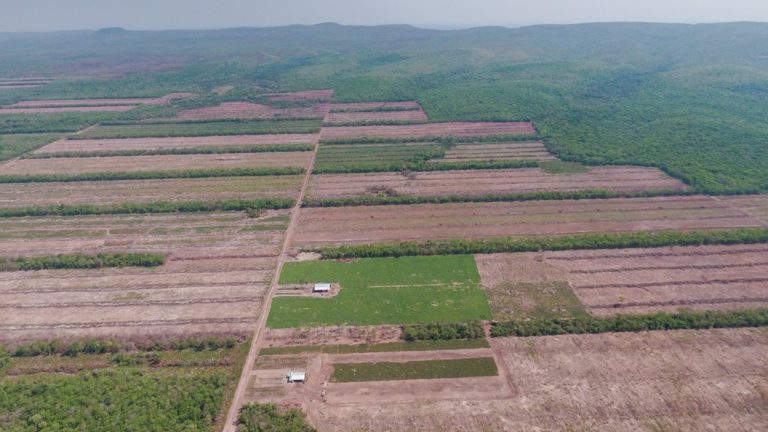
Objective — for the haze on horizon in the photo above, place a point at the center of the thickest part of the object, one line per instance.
(52, 15)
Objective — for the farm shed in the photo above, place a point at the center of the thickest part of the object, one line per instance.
(294, 377)
(321, 288)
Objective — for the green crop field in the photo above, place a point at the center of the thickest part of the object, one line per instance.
(426, 369)
(373, 157)
(421, 345)
(12, 146)
(201, 129)
(384, 291)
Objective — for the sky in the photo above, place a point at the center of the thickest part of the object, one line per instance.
(53, 15)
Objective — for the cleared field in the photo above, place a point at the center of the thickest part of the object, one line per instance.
(94, 145)
(460, 129)
(329, 226)
(50, 103)
(497, 151)
(182, 129)
(153, 163)
(310, 95)
(136, 191)
(755, 205)
(376, 116)
(217, 270)
(677, 380)
(65, 109)
(373, 106)
(371, 155)
(251, 111)
(485, 182)
(608, 282)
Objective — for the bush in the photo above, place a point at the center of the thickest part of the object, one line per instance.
(443, 331)
(256, 417)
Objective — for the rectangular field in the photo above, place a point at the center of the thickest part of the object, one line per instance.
(373, 224)
(50, 103)
(608, 282)
(423, 369)
(68, 109)
(755, 205)
(180, 129)
(459, 129)
(217, 270)
(660, 381)
(153, 163)
(95, 145)
(137, 191)
(246, 110)
(374, 106)
(383, 291)
(497, 151)
(302, 96)
(371, 156)
(415, 116)
(487, 182)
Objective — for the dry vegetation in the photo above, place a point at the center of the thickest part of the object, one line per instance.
(95, 145)
(497, 151)
(246, 110)
(457, 129)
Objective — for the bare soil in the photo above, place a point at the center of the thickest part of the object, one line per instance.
(337, 335)
(483, 182)
(427, 130)
(175, 142)
(359, 116)
(248, 110)
(49, 103)
(497, 151)
(371, 106)
(310, 95)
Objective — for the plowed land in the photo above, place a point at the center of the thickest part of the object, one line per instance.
(461, 129)
(175, 142)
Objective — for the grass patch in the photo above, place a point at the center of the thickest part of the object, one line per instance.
(544, 300)
(427, 345)
(15, 145)
(181, 129)
(563, 167)
(427, 369)
(384, 291)
(175, 151)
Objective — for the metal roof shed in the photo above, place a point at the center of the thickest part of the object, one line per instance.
(294, 376)
(322, 287)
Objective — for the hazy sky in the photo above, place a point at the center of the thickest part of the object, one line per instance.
(48, 15)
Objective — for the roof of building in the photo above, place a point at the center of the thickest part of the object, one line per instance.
(322, 287)
(297, 376)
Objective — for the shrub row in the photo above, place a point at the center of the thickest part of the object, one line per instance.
(633, 323)
(448, 139)
(173, 120)
(423, 165)
(374, 123)
(151, 207)
(573, 242)
(389, 199)
(443, 331)
(174, 151)
(152, 175)
(82, 261)
(94, 346)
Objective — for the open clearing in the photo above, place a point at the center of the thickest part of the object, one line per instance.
(309, 95)
(675, 380)
(135, 191)
(248, 110)
(497, 151)
(330, 226)
(486, 182)
(219, 266)
(626, 280)
(376, 116)
(153, 163)
(383, 291)
(373, 106)
(95, 145)
(460, 129)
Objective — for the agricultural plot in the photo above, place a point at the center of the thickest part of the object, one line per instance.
(217, 269)
(374, 106)
(14, 145)
(640, 381)
(415, 116)
(372, 156)
(488, 182)
(246, 110)
(534, 150)
(302, 96)
(194, 128)
(97, 145)
(331, 226)
(22, 83)
(141, 191)
(49, 103)
(605, 282)
(154, 163)
(383, 291)
(755, 205)
(456, 129)
(68, 109)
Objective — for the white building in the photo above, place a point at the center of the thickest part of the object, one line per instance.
(295, 376)
(321, 288)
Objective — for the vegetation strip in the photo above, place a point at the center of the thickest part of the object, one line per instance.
(420, 345)
(255, 417)
(151, 207)
(374, 123)
(152, 175)
(82, 261)
(443, 331)
(426, 369)
(208, 128)
(447, 139)
(174, 151)
(534, 244)
(423, 165)
(382, 199)
(633, 323)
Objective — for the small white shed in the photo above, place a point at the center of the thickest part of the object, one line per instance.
(321, 288)
(294, 377)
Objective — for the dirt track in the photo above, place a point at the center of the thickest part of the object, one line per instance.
(177, 142)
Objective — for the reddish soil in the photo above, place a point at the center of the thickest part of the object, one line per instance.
(337, 335)
(372, 106)
(348, 225)
(153, 163)
(497, 151)
(362, 116)
(311, 95)
(755, 205)
(217, 272)
(50, 103)
(482, 182)
(251, 111)
(463, 129)
(114, 192)
(677, 380)
(176, 142)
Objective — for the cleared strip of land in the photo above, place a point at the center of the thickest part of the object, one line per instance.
(497, 151)
(485, 182)
(66, 109)
(461, 129)
(373, 106)
(309, 95)
(329, 226)
(251, 111)
(375, 116)
(153, 163)
(47, 103)
(202, 128)
(114, 144)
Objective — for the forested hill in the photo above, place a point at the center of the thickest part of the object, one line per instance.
(692, 99)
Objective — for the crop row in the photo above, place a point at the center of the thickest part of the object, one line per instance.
(104, 346)
(152, 175)
(448, 139)
(251, 127)
(174, 151)
(82, 261)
